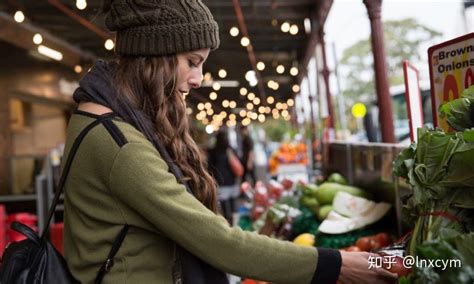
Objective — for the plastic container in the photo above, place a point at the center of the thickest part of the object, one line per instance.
(56, 232)
(3, 229)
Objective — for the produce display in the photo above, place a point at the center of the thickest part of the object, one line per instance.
(299, 211)
(288, 153)
(349, 212)
(439, 168)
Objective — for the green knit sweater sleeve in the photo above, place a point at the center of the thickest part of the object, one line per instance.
(140, 178)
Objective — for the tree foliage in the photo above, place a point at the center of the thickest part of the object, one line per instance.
(403, 40)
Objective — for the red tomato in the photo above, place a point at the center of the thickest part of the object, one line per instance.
(287, 184)
(384, 239)
(364, 244)
(374, 245)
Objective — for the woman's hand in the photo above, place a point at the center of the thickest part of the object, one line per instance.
(355, 269)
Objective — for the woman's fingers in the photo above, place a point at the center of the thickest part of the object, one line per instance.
(387, 274)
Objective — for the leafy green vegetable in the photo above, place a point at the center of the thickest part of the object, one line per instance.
(462, 174)
(404, 161)
(440, 170)
(460, 112)
(454, 268)
(432, 155)
(465, 245)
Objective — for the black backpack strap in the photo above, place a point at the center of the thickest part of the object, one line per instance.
(72, 153)
(109, 262)
(67, 167)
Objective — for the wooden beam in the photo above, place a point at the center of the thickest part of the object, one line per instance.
(21, 35)
(73, 15)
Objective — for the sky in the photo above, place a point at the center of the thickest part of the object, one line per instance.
(348, 23)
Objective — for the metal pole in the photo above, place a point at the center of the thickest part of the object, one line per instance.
(325, 72)
(340, 99)
(313, 124)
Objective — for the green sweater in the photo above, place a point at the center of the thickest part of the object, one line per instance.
(118, 177)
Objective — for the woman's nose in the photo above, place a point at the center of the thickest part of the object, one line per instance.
(195, 80)
(194, 84)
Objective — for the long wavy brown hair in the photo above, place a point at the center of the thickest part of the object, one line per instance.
(148, 85)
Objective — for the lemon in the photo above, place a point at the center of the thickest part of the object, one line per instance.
(305, 239)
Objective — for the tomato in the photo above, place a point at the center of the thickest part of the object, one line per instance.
(374, 244)
(383, 238)
(364, 244)
(287, 184)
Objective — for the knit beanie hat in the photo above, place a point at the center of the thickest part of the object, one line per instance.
(160, 27)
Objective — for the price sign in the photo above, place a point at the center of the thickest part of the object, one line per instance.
(451, 66)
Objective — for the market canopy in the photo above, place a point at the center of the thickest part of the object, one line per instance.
(279, 33)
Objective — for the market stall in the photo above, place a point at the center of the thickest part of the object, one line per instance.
(407, 200)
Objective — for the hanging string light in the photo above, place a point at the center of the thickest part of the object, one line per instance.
(19, 16)
(81, 4)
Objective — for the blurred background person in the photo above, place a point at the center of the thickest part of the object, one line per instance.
(248, 156)
(221, 158)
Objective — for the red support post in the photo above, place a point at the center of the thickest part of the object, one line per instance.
(381, 74)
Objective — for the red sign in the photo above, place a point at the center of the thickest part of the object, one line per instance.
(413, 99)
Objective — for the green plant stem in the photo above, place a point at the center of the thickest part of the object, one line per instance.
(429, 233)
(414, 236)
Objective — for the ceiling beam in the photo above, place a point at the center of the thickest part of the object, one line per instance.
(21, 35)
(73, 15)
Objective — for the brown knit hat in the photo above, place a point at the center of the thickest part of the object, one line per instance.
(160, 27)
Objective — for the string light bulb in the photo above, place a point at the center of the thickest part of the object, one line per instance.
(251, 96)
(296, 88)
(78, 69)
(109, 44)
(245, 41)
(222, 73)
(294, 71)
(213, 96)
(19, 17)
(37, 39)
(81, 4)
(216, 86)
(285, 27)
(294, 29)
(234, 31)
(280, 69)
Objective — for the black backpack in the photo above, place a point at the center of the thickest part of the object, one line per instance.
(35, 260)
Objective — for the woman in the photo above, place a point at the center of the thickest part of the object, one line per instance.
(119, 175)
(248, 155)
(219, 166)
